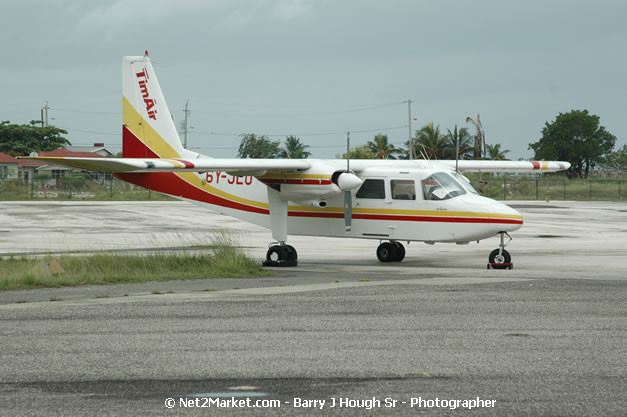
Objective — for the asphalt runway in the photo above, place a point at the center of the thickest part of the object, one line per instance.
(434, 335)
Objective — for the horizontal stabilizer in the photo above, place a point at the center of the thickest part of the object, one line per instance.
(115, 165)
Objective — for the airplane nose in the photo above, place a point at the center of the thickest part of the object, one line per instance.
(512, 218)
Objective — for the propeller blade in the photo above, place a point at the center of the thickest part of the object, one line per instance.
(348, 210)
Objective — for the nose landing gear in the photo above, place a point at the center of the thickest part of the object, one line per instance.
(500, 258)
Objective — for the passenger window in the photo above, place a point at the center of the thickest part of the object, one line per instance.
(403, 189)
(372, 188)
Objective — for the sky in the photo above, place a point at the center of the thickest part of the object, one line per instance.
(318, 69)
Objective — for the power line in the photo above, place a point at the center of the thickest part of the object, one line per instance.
(89, 131)
(305, 134)
(354, 110)
(85, 111)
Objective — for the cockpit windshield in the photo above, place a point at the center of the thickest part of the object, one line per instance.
(441, 186)
(465, 182)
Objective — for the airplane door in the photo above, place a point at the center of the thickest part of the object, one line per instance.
(368, 209)
(382, 203)
(402, 203)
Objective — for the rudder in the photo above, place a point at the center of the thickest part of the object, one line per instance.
(148, 130)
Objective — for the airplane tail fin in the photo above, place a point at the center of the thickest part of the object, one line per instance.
(148, 130)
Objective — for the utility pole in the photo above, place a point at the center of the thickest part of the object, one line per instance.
(185, 126)
(46, 114)
(412, 148)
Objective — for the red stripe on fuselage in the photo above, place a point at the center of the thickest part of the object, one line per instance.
(439, 219)
(170, 183)
(535, 164)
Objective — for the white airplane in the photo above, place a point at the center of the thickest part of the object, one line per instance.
(386, 200)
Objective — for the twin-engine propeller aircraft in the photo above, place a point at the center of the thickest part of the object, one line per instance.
(386, 200)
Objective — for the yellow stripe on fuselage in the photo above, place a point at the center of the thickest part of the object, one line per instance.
(391, 212)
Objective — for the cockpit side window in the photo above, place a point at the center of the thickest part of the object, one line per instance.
(441, 186)
(403, 189)
(465, 182)
(372, 188)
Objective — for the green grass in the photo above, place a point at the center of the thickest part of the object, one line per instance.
(225, 261)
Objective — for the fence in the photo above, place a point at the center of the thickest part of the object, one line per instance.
(548, 188)
(75, 186)
(105, 187)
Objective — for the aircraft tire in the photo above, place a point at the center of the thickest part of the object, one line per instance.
(292, 255)
(500, 263)
(277, 253)
(386, 252)
(399, 251)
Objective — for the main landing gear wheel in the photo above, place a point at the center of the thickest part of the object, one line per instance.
(399, 251)
(281, 255)
(391, 252)
(292, 255)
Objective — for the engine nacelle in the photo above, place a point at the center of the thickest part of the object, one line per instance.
(308, 190)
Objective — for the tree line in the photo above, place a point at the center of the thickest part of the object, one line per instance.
(429, 143)
(576, 137)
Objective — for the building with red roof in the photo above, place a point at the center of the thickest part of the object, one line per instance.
(12, 168)
(57, 171)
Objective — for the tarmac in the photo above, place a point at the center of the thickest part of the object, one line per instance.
(427, 336)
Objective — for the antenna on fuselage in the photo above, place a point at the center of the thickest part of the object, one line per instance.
(424, 154)
(456, 150)
(348, 150)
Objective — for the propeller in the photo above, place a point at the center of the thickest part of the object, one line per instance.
(347, 181)
(348, 199)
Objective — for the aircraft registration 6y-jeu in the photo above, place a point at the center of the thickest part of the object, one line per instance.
(391, 201)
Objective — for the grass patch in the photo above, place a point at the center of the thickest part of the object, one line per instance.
(226, 261)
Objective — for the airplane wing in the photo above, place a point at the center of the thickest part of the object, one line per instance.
(507, 166)
(235, 166)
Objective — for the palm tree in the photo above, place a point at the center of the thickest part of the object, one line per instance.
(465, 143)
(381, 148)
(294, 149)
(431, 142)
(479, 149)
(495, 152)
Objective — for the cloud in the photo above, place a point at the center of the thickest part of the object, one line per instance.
(119, 16)
(289, 9)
